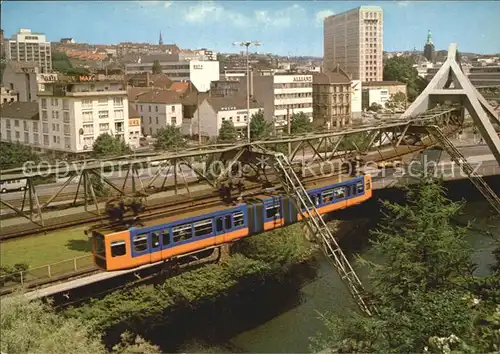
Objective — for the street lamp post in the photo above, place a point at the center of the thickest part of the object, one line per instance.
(247, 44)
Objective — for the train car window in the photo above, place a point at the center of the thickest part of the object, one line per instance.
(218, 224)
(141, 242)
(165, 237)
(118, 248)
(272, 211)
(228, 223)
(359, 187)
(368, 185)
(203, 227)
(352, 188)
(339, 192)
(182, 232)
(238, 219)
(155, 239)
(327, 196)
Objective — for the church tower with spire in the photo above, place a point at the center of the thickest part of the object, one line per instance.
(160, 42)
(429, 50)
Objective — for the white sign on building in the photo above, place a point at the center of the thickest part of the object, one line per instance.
(202, 73)
(379, 96)
(356, 98)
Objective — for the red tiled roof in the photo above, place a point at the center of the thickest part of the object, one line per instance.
(180, 87)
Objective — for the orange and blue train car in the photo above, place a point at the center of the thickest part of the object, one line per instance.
(163, 239)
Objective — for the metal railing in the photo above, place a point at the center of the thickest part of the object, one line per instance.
(47, 272)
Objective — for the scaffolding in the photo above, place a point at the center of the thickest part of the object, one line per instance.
(320, 230)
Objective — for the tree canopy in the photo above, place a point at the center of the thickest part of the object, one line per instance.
(157, 67)
(33, 327)
(259, 127)
(107, 145)
(169, 137)
(300, 123)
(15, 154)
(401, 69)
(62, 64)
(425, 292)
(397, 101)
(227, 132)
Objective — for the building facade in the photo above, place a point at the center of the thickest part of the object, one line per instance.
(354, 40)
(27, 46)
(8, 95)
(74, 112)
(380, 92)
(26, 79)
(134, 126)
(332, 99)
(215, 110)
(20, 122)
(159, 108)
(281, 95)
(199, 72)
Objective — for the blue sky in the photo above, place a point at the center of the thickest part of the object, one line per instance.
(284, 27)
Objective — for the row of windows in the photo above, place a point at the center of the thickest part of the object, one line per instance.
(54, 102)
(282, 96)
(181, 233)
(293, 106)
(140, 108)
(104, 114)
(88, 104)
(238, 118)
(173, 120)
(330, 195)
(36, 141)
(292, 85)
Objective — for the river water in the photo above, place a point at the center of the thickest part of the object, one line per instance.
(297, 318)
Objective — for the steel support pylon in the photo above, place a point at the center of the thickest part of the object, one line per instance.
(460, 160)
(451, 84)
(320, 231)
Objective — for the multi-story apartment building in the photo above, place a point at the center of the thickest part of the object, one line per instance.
(215, 110)
(354, 40)
(281, 95)
(159, 108)
(26, 79)
(74, 112)
(31, 47)
(332, 98)
(20, 122)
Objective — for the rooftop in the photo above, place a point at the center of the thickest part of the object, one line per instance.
(22, 110)
(20, 67)
(336, 76)
(160, 96)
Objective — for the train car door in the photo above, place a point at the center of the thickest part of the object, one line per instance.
(155, 246)
(140, 248)
(219, 229)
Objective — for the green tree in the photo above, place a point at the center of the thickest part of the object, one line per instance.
(300, 123)
(169, 137)
(107, 145)
(396, 101)
(422, 290)
(259, 127)
(375, 107)
(15, 154)
(61, 62)
(34, 327)
(227, 132)
(401, 69)
(157, 67)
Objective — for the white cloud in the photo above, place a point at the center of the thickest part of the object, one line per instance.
(280, 18)
(321, 15)
(209, 11)
(167, 4)
(403, 3)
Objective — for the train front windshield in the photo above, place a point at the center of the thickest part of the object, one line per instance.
(99, 249)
